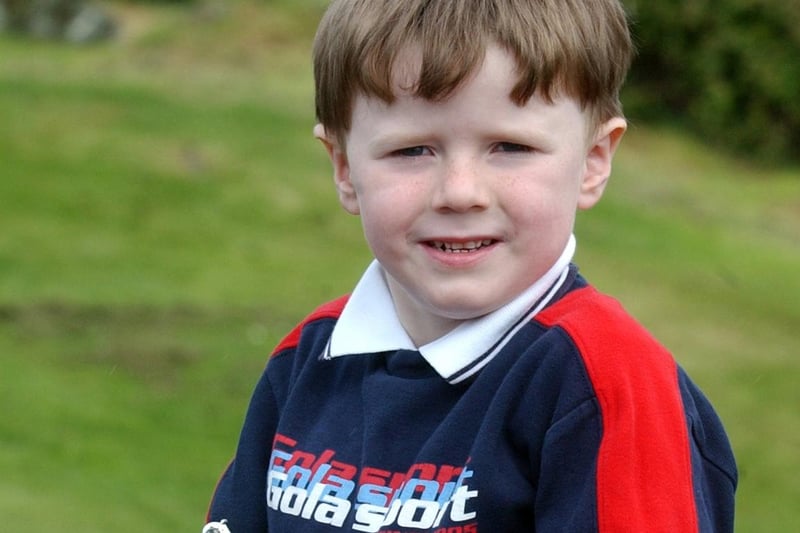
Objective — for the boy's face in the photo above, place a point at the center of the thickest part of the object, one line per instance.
(466, 202)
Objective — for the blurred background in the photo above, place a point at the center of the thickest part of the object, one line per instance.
(166, 217)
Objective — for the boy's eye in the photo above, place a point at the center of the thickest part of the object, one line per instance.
(413, 151)
(512, 147)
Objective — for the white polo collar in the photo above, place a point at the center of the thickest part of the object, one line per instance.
(369, 323)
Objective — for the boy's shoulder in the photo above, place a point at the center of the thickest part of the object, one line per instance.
(581, 302)
(594, 319)
(619, 354)
(328, 310)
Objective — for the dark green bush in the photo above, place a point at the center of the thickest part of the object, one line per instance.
(77, 21)
(728, 69)
(161, 1)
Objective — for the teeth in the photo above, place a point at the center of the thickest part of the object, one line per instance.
(461, 247)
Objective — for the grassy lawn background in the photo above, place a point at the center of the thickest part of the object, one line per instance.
(167, 217)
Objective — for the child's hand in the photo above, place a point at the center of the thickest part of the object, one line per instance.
(216, 527)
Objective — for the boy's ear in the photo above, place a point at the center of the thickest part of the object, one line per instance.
(341, 170)
(598, 161)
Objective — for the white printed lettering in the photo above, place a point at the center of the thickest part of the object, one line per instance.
(460, 498)
(332, 511)
(410, 515)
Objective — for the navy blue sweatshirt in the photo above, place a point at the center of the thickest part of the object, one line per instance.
(580, 422)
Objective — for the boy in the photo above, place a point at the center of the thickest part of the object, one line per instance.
(474, 381)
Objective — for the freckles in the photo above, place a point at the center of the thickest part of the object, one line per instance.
(402, 195)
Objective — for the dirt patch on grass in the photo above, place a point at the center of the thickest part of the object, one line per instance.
(156, 345)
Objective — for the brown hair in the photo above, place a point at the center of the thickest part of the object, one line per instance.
(579, 47)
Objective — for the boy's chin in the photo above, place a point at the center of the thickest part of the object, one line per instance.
(462, 312)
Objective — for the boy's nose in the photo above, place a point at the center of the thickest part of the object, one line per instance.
(460, 187)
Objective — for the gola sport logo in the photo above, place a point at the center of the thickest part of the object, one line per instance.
(319, 488)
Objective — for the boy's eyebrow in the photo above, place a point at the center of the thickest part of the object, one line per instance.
(380, 142)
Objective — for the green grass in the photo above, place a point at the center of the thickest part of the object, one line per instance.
(167, 217)
(706, 252)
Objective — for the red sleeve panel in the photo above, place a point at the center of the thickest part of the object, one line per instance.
(331, 309)
(644, 465)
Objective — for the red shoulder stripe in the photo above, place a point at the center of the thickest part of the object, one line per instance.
(329, 310)
(644, 471)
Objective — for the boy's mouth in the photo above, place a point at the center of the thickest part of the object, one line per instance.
(460, 247)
